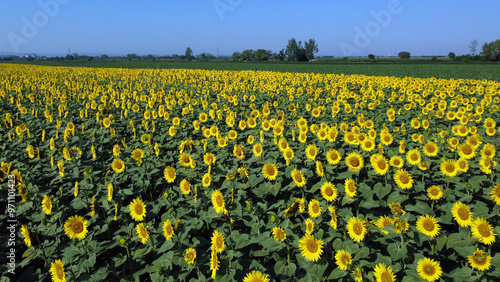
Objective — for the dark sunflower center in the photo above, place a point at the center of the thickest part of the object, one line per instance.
(357, 228)
(429, 270)
(77, 227)
(298, 177)
(219, 201)
(386, 277)
(450, 168)
(219, 242)
(381, 165)
(60, 273)
(484, 230)
(354, 162)
(463, 214)
(404, 179)
(329, 191)
(312, 247)
(138, 209)
(428, 225)
(315, 208)
(414, 157)
(480, 259)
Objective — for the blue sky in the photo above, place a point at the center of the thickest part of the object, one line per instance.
(340, 28)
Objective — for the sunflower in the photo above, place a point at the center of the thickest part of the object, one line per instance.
(429, 270)
(333, 157)
(413, 157)
(358, 274)
(431, 149)
(26, 235)
(257, 150)
(185, 187)
(396, 207)
(142, 232)
(218, 201)
(309, 226)
(314, 208)
(256, 276)
(311, 151)
(449, 168)
(279, 234)
(311, 248)
(168, 231)
(206, 180)
(292, 209)
(190, 256)
(333, 214)
(118, 165)
(298, 178)
(488, 151)
(350, 187)
(495, 194)
(57, 271)
(76, 227)
(483, 231)
(383, 273)
(384, 221)
(209, 159)
(329, 192)
(368, 145)
(282, 144)
(396, 161)
(462, 214)
(218, 241)
(403, 179)
(380, 165)
(462, 165)
(47, 204)
(137, 209)
(270, 171)
(386, 138)
(320, 170)
(434, 192)
(185, 160)
(428, 225)
(480, 260)
(354, 161)
(343, 259)
(466, 151)
(356, 229)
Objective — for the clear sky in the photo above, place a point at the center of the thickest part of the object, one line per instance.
(340, 28)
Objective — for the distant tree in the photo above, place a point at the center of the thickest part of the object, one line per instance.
(69, 57)
(451, 55)
(404, 55)
(189, 54)
(90, 58)
(491, 51)
(150, 57)
(473, 46)
(75, 55)
(292, 49)
(104, 57)
(371, 56)
(262, 55)
(131, 56)
(236, 56)
(311, 47)
(281, 55)
(206, 56)
(247, 55)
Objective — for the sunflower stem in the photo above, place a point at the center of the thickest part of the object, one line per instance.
(41, 247)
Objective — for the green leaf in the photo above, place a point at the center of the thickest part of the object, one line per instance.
(337, 273)
(382, 191)
(396, 251)
(440, 242)
(284, 271)
(462, 274)
(420, 208)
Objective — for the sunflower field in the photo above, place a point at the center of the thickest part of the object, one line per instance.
(194, 175)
